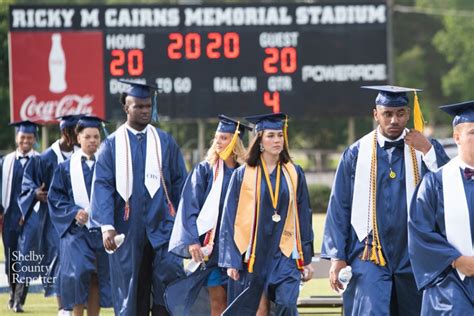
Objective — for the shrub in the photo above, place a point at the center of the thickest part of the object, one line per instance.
(319, 197)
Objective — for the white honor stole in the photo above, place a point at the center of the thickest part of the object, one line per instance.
(7, 178)
(209, 214)
(55, 148)
(361, 218)
(124, 167)
(78, 184)
(456, 210)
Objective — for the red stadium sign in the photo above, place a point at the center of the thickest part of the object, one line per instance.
(54, 74)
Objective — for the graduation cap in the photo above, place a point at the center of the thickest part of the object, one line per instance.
(394, 96)
(143, 91)
(92, 121)
(27, 127)
(229, 125)
(275, 121)
(67, 121)
(267, 121)
(463, 112)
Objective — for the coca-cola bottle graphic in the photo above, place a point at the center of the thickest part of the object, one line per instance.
(57, 65)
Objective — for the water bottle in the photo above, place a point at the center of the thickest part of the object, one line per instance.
(119, 239)
(57, 65)
(193, 265)
(345, 276)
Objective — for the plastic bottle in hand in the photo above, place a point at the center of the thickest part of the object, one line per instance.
(119, 239)
(345, 276)
(193, 265)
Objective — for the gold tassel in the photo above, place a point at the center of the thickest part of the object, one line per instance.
(251, 263)
(285, 133)
(382, 262)
(418, 120)
(230, 148)
(365, 253)
(373, 255)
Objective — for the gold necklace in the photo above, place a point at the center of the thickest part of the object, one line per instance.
(273, 195)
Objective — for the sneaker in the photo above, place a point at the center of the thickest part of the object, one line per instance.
(63, 312)
(18, 308)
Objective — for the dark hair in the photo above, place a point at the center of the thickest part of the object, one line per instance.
(253, 153)
(80, 128)
(122, 98)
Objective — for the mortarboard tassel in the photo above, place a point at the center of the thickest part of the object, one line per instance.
(285, 133)
(154, 108)
(382, 262)
(418, 120)
(230, 148)
(104, 130)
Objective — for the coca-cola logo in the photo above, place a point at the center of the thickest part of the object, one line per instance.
(35, 110)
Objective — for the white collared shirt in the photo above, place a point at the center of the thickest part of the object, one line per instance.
(429, 159)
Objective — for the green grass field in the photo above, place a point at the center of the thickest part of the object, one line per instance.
(38, 305)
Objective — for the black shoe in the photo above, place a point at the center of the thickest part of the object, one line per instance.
(18, 308)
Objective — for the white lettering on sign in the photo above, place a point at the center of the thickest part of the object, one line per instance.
(350, 14)
(42, 18)
(236, 16)
(142, 17)
(90, 18)
(278, 39)
(36, 110)
(234, 84)
(324, 73)
(125, 41)
(280, 83)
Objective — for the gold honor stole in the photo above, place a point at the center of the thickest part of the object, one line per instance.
(248, 215)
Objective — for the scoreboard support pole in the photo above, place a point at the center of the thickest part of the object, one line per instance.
(201, 135)
(44, 138)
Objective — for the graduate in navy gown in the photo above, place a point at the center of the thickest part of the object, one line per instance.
(140, 173)
(35, 186)
(266, 236)
(366, 223)
(196, 229)
(441, 226)
(11, 175)
(84, 267)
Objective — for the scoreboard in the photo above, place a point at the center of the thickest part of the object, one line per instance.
(307, 60)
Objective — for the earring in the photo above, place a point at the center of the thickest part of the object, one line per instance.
(262, 149)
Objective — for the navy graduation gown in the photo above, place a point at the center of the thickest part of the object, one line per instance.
(39, 171)
(149, 218)
(181, 295)
(274, 273)
(12, 215)
(375, 290)
(431, 254)
(82, 251)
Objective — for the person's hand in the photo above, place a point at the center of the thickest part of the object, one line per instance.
(196, 253)
(108, 239)
(465, 264)
(82, 217)
(336, 266)
(233, 274)
(42, 194)
(22, 221)
(307, 273)
(418, 141)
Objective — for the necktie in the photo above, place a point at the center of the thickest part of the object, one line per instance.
(396, 144)
(23, 160)
(140, 136)
(469, 173)
(84, 158)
